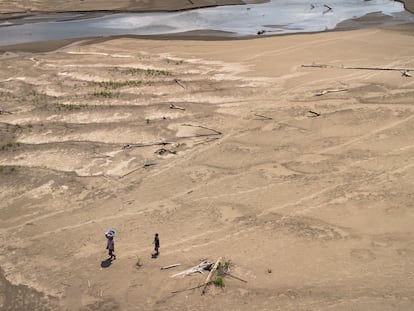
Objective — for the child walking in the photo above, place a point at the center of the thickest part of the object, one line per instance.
(156, 245)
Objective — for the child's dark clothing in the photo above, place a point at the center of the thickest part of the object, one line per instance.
(156, 244)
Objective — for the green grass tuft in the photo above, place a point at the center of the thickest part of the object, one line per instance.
(219, 282)
(148, 72)
(70, 107)
(102, 93)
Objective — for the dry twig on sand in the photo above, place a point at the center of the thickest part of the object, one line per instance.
(179, 83)
(235, 277)
(262, 116)
(170, 266)
(161, 143)
(315, 114)
(330, 91)
(204, 127)
(172, 106)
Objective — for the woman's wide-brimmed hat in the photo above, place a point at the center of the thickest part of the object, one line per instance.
(110, 233)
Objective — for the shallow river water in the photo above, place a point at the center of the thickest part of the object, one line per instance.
(274, 17)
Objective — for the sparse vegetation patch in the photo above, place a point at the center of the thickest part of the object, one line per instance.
(118, 84)
(102, 93)
(148, 72)
(70, 107)
(9, 145)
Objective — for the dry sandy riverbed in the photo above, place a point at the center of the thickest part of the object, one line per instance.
(315, 212)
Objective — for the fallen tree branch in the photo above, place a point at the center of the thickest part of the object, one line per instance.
(172, 106)
(170, 266)
(162, 151)
(203, 127)
(205, 265)
(264, 117)
(316, 114)
(235, 277)
(357, 68)
(405, 74)
(162, 143)
(210, 275)
(328, 9)
(149, 164)
(330, 91)
(179, 83)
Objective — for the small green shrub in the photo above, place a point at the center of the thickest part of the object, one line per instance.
(102, 93)
(219, 282)
(139, 263)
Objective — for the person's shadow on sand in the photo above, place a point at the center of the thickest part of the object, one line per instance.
(106, 263)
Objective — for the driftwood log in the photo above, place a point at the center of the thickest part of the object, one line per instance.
(161, 143)
(330, 91)
(262, 116)
(210, 275)
(357, 68)
(205, 265)
(172, 106)
(170, 266)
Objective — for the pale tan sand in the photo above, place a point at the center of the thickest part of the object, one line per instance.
(314, 212)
